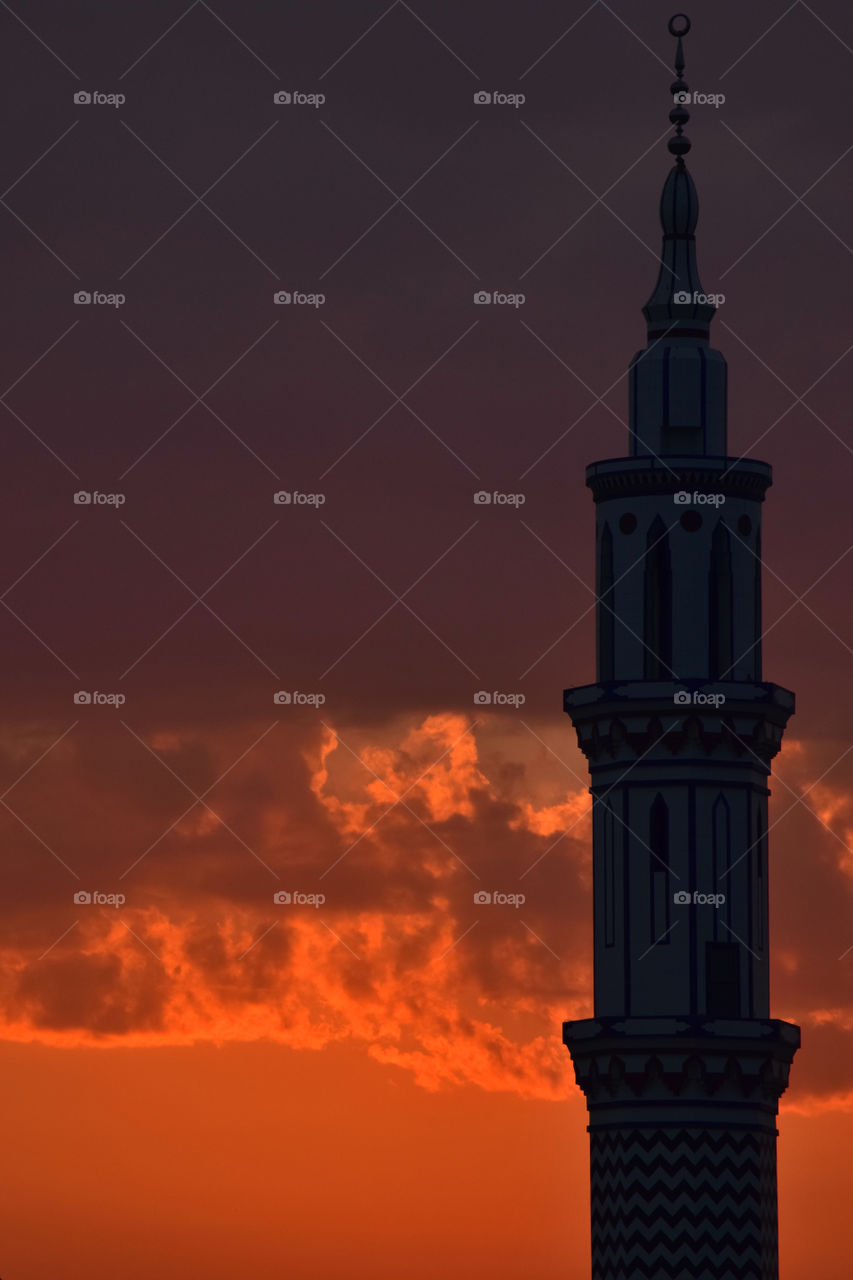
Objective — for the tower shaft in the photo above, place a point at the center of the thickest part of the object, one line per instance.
(682, 1065)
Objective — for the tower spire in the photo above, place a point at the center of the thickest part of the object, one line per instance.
(678, 382)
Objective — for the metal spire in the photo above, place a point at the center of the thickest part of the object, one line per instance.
(679, 25)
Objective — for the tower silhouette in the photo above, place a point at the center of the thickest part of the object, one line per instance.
(682, 1065)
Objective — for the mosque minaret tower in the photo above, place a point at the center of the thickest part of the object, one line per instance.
(682, 1065)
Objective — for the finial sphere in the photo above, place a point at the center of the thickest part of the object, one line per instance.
(673, 31)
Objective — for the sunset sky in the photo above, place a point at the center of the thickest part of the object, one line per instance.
(370, 1082)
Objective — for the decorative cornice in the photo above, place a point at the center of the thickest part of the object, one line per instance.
(633, 719)
(683, 1060)
(649, 476)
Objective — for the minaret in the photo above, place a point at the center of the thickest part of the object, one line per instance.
(682, 1065)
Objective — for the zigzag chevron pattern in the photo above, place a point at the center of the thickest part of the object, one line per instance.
(683, 1204)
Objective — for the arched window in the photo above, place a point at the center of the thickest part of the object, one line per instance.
(659, 879)
(605, 615)
(657, 622)
(720, 605)
(721, 829)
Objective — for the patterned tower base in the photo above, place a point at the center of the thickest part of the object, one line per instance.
(677, 1194)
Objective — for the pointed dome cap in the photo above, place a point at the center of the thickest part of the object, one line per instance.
(673, 308)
